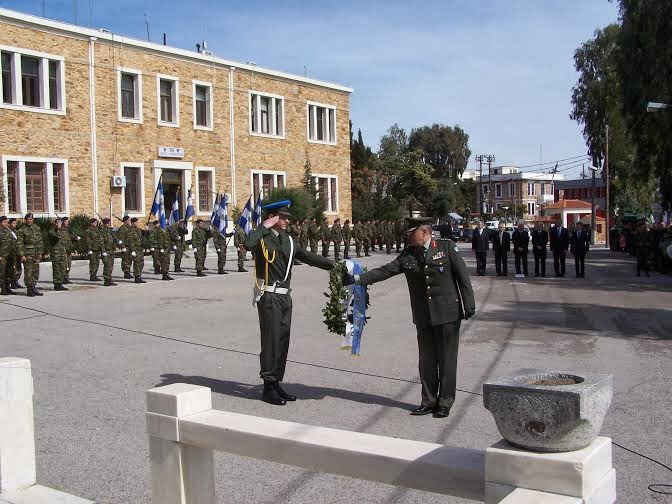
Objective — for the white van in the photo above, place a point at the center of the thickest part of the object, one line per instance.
(492, 224)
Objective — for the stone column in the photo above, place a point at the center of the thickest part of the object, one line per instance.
(181, 474)
(17, 430)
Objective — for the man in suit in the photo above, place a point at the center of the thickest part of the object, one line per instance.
(579, 245)
(480, 244)
(539, 242)
(559, 241)
(521, 240)
(441, 296)
(501, 246)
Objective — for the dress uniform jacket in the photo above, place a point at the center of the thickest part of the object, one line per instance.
(439, 285)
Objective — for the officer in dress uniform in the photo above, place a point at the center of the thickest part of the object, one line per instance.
(273, 251)
(441, 296)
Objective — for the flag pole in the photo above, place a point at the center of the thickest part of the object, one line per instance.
(158, 184)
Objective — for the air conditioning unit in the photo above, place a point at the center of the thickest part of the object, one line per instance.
(118, 181)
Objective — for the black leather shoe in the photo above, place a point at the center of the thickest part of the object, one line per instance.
(283, 394)
(441, 412)
(59, 287)
(67, 281)
(37, 292)
(271, 395)
(422, 410)
(222, 272)
(178, 270)
(200, 274)
(166, 276)
(242, 270)
(94, 278)
(139, 280)
(127, 275)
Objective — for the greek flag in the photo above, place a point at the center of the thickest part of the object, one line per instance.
(190, 207)
(158, 209)
(256, 215)
(245, 221)
(174, 212)
(220, 220)
(354, 311)
(214, 216)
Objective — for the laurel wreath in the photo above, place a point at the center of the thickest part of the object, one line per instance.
(334, 315)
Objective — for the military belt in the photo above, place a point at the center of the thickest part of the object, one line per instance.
(274, 288)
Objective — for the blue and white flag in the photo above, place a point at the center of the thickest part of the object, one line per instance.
(158, 208)
(190, 212)
(245, 220)
(214, 216)
(256, 215)
(354, 307)
(174, 211)
(222, 217)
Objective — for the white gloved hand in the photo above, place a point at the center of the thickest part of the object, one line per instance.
(78, 238)
(161, 250)
(119, 242)
(195, 250)
(104, 254)
(133, 254)
(174, 247)
(219, 250)
(151, 249)
(124, 249)
(90, 252)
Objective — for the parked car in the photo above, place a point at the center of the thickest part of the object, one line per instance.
(467, 235)
(446, 230)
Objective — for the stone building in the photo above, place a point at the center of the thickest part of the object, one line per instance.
(90, 120)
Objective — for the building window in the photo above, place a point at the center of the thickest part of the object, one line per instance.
(543, 189)
(265, 181)
(321, 123)
(129, 89)
(267, 114)
(499, 206)
(202, 105)
(133, 189)
(58, 185)
(206, 185)
(13, 187)
(32, 81)
(169, 105)
(512, 189)
(36, 188)
(530, 188)
(531, 208)
(498, 190)
(327, 189)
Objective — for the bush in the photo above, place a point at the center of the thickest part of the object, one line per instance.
(79, 223)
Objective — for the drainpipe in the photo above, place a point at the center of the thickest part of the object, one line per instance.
(232, 142)
(92, 113)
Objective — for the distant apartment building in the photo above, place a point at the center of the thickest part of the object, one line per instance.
(91, 120)
(521, 194)
(582, 189)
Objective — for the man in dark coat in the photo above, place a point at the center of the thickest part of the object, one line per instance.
(539, 242)
(521, 241)
(480, 244)
(441, 296)
(501, 246)
(579, 243)
(559, 242)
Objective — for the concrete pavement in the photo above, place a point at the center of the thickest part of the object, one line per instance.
(95, 351)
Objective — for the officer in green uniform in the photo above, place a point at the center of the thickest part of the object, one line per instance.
(359, 236)
(60, 239)
(163, 247)
(313, 235)
(15, 258)
(178, 244)
(109, 244)
(126, 258)
(199, 240)
(29, 241)
(72, 240)
(272, 248)
(368, 236)
(325, 236)
(441, 296)
(238, 242)
(6, 267)
(347, 235)
(135, 248)
(221, 244)
(642, 249)
(94, 244)
(337, 237)
(152, 235)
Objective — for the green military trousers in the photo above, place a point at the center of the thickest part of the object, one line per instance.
(94, 262)
(31, 269)
(437, 347)
(58, 264)
(221, 258)
(108, 265)
(275, 320)
(179, 252)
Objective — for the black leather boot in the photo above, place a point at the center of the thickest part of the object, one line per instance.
(8, 291)
(3, 290)
(242, 270)
(222, 272)
(59, 287)
(30, 292)
(178, 270)
(157, 271)
(166, 276)
(283, 394)
(271, 394)
(66, 281)
(200, 274)
(127, 275)
(94, 278)
(16, 285)
(139, 280)
(36, 292)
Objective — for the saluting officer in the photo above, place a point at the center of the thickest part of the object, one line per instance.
(273, 252)
(441, 296)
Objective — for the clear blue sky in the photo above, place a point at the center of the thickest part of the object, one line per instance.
(502, 70)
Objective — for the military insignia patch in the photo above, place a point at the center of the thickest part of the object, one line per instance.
(440, 269)
(438, 255)
(456, 249)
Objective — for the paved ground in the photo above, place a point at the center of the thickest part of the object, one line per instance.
(95, 351)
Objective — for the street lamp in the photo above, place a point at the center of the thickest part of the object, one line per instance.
(656, 106)
(506, 209)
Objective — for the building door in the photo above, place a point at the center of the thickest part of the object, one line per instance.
(172, 190)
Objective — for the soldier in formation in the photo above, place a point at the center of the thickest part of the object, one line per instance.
(6, 266)
(108, 245)
(126, 258)
(337, 237)
(94, 243)
(178, 231)
(347, 235)
(221, 243)
(199, 240)
(135, 249)
(359, 236)
(153, 246)
(325, 236)
(303, 237)
(29, 240)
(313, 235)
(73, 239)
(61, 243)
(238, 240)
(15, 258)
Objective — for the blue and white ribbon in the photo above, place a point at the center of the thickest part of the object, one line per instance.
(354, 311)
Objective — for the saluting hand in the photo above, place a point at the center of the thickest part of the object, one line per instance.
(271, 221)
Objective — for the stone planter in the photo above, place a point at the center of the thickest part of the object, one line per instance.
(549, 412)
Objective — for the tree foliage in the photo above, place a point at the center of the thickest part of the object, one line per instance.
(304, 204)
(443, 147)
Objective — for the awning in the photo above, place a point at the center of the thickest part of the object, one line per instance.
(455, 216)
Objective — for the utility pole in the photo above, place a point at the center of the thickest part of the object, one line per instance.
(479, 198)
(592, 212)
(606, 183)
(488, 158)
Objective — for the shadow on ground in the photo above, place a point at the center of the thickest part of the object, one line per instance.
(303, 392)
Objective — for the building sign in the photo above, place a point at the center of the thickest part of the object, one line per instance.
(171, 152)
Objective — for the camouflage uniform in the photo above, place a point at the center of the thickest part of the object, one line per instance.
(220, 242)
(325, 236)
(399, 233)
(199, 241)
(61, 240)
(123, 232)
(177, 232)
(313, 235)
(368, 236)
(70, 240)
(29, 242)
(389, 236)
(109, 246)
(238, 239)
(347, 234)
(303, 237)
(358, 235)
(163, 246)
(133, 244)
(154, 246)
(337, 237)
(6, 267)
(95, 248)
